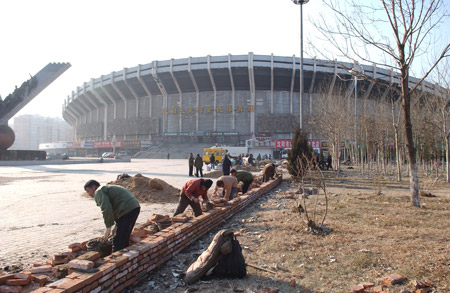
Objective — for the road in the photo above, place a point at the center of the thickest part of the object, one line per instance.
(43, 208)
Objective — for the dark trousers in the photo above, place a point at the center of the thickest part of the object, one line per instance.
(184, 202)
(246, 185)
(198, 170)
(191, 170)
(125, 226)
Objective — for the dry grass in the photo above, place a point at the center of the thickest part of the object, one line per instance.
(372, 236)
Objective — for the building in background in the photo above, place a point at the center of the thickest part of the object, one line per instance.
(32, 130)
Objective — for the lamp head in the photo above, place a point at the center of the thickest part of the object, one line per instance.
(300, 1)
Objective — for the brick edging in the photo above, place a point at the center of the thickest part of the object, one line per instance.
(131, 265)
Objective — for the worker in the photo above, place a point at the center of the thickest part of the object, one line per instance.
(190, 193)
(268, 172)
(226, 165)
(118, 206)
(243, 176)
(229, 186)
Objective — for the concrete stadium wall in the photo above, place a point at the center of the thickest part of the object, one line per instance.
(124, 268)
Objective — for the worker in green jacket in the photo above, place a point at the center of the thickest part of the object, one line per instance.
(118, 206)
(245, 176)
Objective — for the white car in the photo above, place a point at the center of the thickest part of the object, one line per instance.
(108, 155)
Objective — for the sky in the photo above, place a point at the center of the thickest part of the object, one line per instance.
(100, 36)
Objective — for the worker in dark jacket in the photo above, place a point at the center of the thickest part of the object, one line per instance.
(198, 163)
(191, 164)
(226, 165)
(118, 206)
(190, 193)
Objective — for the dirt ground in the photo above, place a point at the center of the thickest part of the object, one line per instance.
(372, 231)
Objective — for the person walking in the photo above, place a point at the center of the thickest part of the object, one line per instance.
(329, 161)
(226, 165)
(190, 193)
(212, 161)
(243, 176)
(198, 163)
(191, 164)
(118, 206)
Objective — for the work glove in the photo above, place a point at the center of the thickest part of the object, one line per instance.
(107, 232)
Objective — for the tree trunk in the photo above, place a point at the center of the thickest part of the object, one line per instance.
(410, 149)
(447, 156)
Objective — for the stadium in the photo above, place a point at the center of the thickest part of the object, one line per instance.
(211, 100)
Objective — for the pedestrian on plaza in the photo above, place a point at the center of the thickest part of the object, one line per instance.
(190, 194)
(229, 185)
(191, 164)
(269, 172)
(329, 161)
(212, 161)
(168, 156)
(198, 163)
(251, 160)
(118, 206)
(226, 165)
(243, 176)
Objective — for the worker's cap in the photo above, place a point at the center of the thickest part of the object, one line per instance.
(232, 170)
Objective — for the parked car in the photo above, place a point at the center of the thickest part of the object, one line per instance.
(57, 156)
(108, 155)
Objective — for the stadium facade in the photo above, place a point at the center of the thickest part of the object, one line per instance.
(217, 99)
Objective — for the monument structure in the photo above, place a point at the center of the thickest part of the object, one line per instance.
(15, 101)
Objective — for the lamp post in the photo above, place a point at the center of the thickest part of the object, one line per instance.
(355, 74)
(301, 2)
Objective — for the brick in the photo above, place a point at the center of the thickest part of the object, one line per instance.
(120, 260)
(42, 290)
(91, 277)
(90, 255)
(379, 289)
(358, 288)
(40, 279)
(81, 264)
(132, 254)
(10, 289)
(393, 279)
(3, 278)
(135, 239)
(17, 282)
(107, 267)
(71, 285)
(56, 262)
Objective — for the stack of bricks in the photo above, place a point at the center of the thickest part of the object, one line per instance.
(124, 268)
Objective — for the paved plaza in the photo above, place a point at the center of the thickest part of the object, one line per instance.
(43, 208)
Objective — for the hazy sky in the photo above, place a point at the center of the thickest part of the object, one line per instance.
(101, 36)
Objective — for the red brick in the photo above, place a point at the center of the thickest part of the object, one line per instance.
(107, 267)
(120, 260)
(90, 255)
(3, 278)
(358, 288)
(10, 289)
(41, 269)
(379, 289)
(17, 282)
(393, 279)
(71, 285)
(40, 279)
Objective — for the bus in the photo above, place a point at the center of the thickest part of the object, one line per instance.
(218, 152)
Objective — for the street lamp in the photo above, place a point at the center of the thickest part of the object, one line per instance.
(301, 2)
(355, 75)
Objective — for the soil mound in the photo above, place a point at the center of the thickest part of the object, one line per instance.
(149, 190)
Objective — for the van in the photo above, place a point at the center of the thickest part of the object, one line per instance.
(219, 153)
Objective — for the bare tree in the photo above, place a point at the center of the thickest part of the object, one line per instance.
(399, 31)
(438, 106)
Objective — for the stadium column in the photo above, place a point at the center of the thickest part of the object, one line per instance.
(85, 93)
(83, 112)
(180, 94)
(191, 75)
(150, 97)
(291, 93)
(74, 117)
(131, 89)
(163, 92)
(271, 83)
(311, 88)
(105, 104)
(214, 90)
(233, 95)
(124, 99)
(109, 96)
(330, 90)
(251, 75)
(372, 83)
(88, 107)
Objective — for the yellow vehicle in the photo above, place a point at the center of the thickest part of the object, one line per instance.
(219, 153)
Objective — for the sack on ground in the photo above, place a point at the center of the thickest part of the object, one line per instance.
(231, 265)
